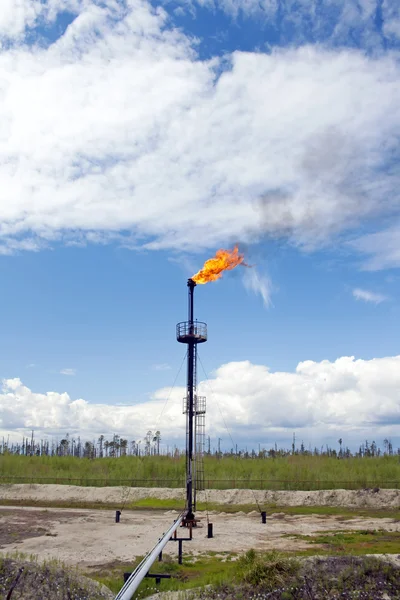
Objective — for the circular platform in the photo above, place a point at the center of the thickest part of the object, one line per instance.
(195, 332)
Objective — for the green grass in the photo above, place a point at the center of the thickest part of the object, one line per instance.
(355, 543)
(253, 568)
(290, 472)
(211, 568)
(341, 512)
(194, 572)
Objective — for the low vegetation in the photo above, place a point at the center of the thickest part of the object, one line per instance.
(273, 567)
(196, 572)
(364, 541)
(297, 472)
(271, 575)
(225, 575)
(333, 578)
(28, 580)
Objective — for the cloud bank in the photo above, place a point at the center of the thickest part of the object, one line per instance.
(117, 131)
(349, 398)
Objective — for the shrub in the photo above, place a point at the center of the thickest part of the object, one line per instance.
(271, 568)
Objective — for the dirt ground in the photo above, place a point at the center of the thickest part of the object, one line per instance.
(91, 537)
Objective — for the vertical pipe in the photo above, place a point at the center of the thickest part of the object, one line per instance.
(191, 286)
(190, 385)
(194, 464)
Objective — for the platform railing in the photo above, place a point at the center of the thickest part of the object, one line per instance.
(195, 329)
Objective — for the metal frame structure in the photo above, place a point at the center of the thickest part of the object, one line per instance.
(199, 446)
(193, 332)
(189, 332)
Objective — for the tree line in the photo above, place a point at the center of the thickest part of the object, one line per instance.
(74, 446)
(149, 445)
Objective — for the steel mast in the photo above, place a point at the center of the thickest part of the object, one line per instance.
(192, 332)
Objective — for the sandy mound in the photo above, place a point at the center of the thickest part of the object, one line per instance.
(117, 495)
(31, 581)
(345, 498)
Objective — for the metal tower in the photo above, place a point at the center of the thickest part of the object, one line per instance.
(193, 332)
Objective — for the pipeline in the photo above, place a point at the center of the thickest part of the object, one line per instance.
(136, 578)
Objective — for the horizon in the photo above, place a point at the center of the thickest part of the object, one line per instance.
(75, 446)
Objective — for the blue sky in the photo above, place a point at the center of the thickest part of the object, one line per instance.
(137, 139)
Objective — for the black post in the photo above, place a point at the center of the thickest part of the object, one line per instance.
(210, 530)
(190, 408)
(263, 516)
(117, 515)
(180, 554)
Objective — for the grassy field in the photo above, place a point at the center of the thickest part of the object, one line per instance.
(284, 473)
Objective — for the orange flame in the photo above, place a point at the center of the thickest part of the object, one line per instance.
(224, 260)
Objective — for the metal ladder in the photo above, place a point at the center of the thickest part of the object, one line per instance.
(200, 440)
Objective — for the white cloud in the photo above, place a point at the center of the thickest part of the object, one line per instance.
(382, 247)
(353, 398)
(368, 296)
(161, 367)
(68, 372)
(119, 127)
(17, 15)
(391, 19)
(259, 284)
(392, 29)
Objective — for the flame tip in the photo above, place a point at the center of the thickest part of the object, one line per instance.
(224, 260)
